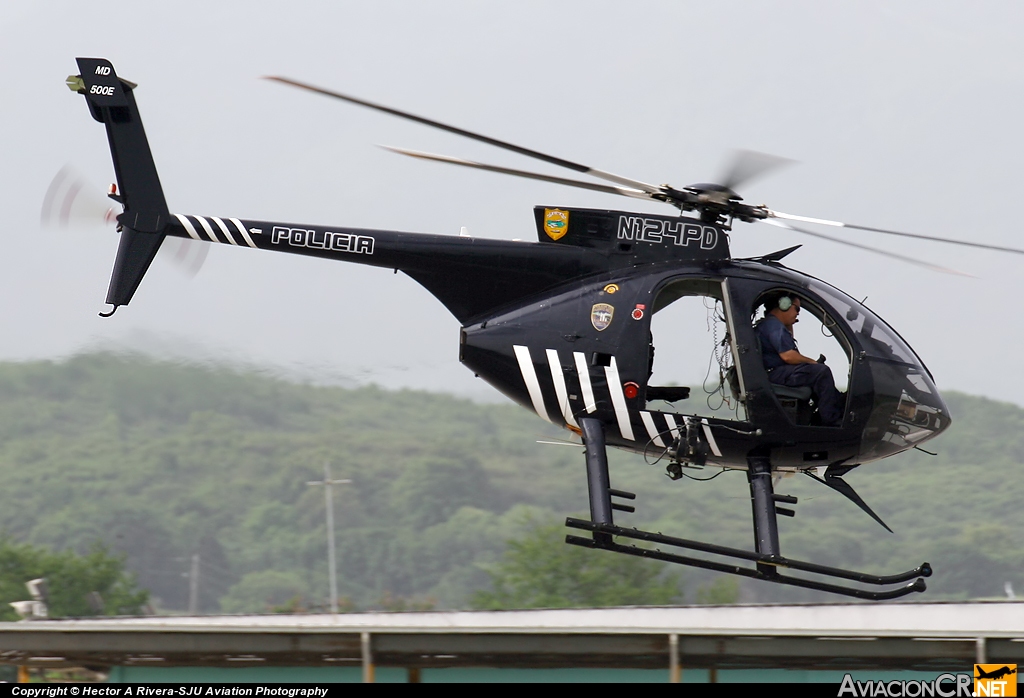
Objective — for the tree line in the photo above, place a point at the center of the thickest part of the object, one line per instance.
(192, 473)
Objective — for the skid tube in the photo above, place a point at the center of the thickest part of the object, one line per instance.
(772, 562)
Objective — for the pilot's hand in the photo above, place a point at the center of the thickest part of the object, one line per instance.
(821, 358)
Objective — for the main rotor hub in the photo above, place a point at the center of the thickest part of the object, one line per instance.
(714, 194)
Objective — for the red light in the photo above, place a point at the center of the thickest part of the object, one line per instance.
(630, 389)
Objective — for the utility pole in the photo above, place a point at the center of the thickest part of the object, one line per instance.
(193, 587)
(327, 483)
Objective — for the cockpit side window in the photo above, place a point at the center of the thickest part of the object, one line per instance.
(816, 333)
(805, 356)
(690, 330)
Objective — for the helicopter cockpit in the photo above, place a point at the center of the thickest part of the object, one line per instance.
(703, 333)
(890, 398)
(814, 336)
(906, 408)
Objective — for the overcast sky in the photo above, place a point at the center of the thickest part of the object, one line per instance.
(902, 115)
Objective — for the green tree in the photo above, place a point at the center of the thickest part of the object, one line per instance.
(541, 571)
(264, 591)
(77, 585)
(724, 590)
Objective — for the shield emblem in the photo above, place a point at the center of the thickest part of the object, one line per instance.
(556, 223)
(601, 316)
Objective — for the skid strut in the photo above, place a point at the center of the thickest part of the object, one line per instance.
(767, 557)
(598, 483)
(766, 524)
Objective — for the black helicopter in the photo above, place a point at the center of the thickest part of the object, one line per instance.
(562, 326)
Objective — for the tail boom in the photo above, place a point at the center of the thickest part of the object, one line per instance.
(470, 276)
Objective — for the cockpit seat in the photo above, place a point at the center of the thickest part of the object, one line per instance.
(795, 402)
(802, 392)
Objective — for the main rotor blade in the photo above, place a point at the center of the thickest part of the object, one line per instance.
(911, 260)
(748, 165)
(605, 188)
(600, 174)
(838, 224)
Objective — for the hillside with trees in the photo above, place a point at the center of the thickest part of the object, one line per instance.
(163, 461)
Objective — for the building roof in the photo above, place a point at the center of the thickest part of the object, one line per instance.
(989, 619)
(893, 635)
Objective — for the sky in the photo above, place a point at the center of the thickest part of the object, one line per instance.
(899, 115)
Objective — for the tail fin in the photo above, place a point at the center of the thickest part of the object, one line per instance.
(112, 102)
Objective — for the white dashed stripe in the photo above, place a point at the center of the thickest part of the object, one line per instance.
(188, 226)
(244, 232)
(584, 373)
(207, 228)
(561, 394)
(710, 437)
(671, 422)
(652, 430)
(611, 374)
(224, 229)
(530, 378)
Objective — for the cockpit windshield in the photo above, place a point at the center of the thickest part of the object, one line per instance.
(876, 338)
(906, 408)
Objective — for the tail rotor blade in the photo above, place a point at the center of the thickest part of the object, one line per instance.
(187, 255)
(71, 201)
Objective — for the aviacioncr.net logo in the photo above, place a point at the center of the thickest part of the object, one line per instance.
(945, 686)
(995, 680)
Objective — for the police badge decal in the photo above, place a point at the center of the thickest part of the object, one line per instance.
(556, 223)
(601, 316)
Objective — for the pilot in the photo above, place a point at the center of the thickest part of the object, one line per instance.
(787, 366)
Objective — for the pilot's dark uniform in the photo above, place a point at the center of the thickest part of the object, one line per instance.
(776, 339)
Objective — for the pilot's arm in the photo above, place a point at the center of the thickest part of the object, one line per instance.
(794, 357)
(780, 339)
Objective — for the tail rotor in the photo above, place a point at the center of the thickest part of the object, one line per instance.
(72, 202)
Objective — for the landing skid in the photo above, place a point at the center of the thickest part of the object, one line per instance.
(772, 562)
(767, 557)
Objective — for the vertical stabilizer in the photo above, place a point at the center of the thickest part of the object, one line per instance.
(112, 102)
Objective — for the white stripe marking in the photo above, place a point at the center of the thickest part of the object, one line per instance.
(207, 228)
(558, 378)
(710, 437)
(611, 374)
(588, 390)
(530, 378)
(244, 232)
(224, 229)
(188, 226)
(672, 427)
(652, 430)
